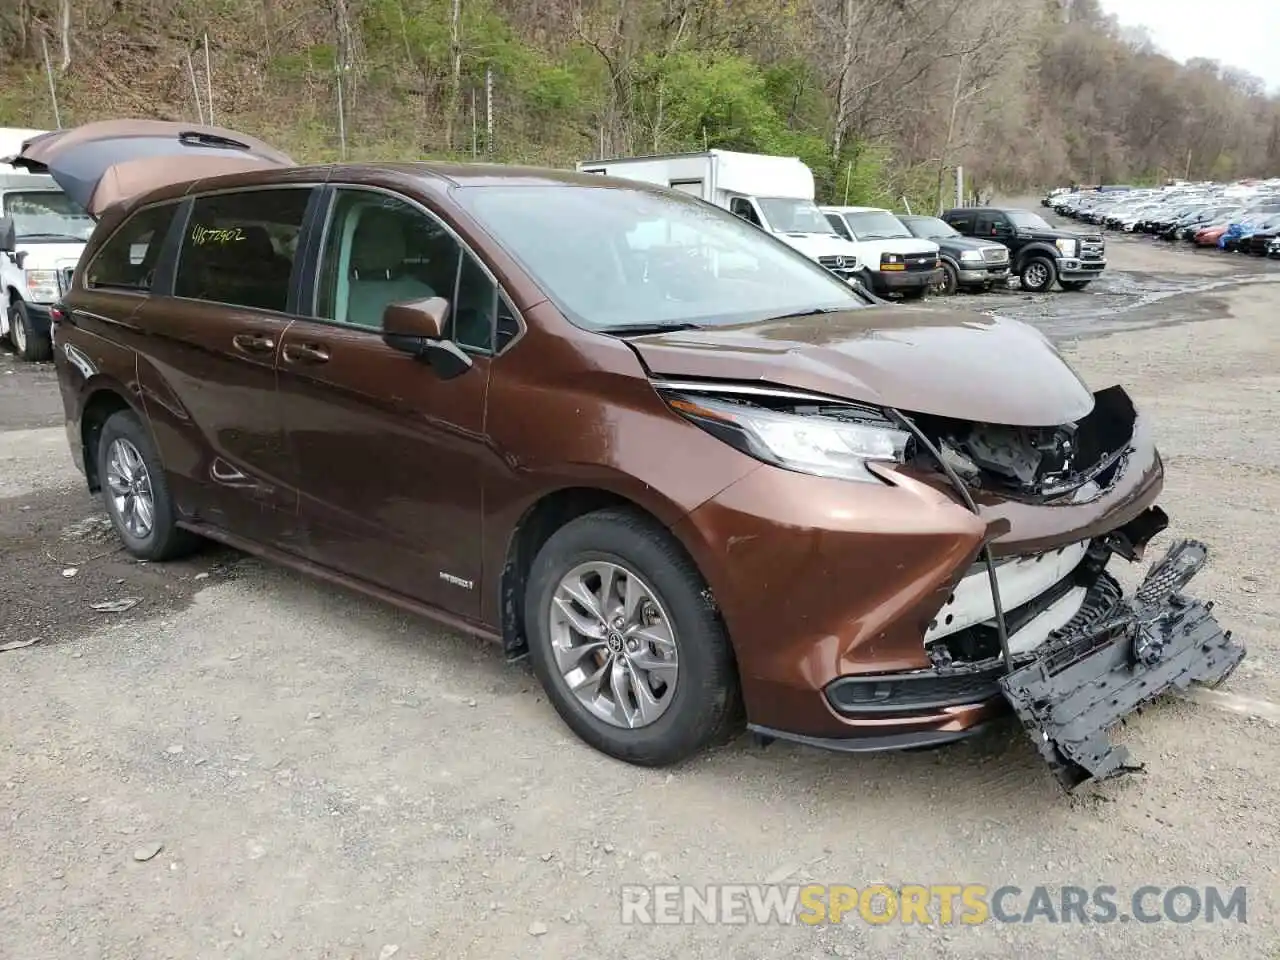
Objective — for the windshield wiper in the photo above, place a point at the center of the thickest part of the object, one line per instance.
(49, 236)
(638, 329)
(810, 312)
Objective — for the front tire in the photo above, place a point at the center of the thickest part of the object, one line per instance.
(28, 343)
(950, 282)
(1038, 275)
(626, 643)
(135, 491)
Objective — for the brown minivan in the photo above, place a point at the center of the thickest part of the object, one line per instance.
(688, 471)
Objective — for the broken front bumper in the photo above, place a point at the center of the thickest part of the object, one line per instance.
(1083, 682)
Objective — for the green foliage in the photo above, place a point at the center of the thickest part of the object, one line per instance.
(1049, 100)
(720, 100)
(296, 65)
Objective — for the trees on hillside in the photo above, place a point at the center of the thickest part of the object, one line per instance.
(882, 97)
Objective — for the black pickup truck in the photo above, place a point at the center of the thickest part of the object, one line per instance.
(966, 264)
(1041, 254)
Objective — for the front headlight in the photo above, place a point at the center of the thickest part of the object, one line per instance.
(825, 445)
(1067, 247)
(971, 256)
(42, 286)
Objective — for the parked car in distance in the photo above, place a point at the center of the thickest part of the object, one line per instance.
(967, 264)
(893, 259)
(687, 470)
(1041, 254)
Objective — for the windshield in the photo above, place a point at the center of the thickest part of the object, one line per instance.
(1026, 220)
(876, 225)
(928, 228)
(46, 215)
(614, 256)
(793, 216)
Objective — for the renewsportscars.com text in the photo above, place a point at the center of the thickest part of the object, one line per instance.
(945, 904)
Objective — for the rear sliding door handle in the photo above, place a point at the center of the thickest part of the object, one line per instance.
(254, 342)
(306, 353)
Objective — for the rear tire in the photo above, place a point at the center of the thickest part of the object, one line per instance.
(701, 707)
(28, 344)
(135, 491)
(1038, 275)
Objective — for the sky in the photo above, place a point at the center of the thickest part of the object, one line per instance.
(1238, 33)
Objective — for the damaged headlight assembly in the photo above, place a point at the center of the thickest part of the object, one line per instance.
(832, 440)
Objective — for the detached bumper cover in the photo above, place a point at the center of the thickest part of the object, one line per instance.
(1082, 684)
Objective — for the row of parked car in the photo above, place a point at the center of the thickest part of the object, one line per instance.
(1237, 217)
(891, 254)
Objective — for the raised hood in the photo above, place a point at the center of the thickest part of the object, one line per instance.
(99, 164)
(917, 359)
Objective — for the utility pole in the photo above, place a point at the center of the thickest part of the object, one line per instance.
(53, 93)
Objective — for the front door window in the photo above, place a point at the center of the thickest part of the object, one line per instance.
(380, 250)
(741, 207)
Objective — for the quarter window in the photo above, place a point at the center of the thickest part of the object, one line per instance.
(128, 260)
(838, 224)
(380, 250)
(238, 248)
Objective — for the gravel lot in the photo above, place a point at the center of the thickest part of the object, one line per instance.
(328, 777)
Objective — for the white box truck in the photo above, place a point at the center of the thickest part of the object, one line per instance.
(48, 235)
(774, 193)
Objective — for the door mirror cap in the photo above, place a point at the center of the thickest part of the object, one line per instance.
(8, 235)
(422, 320)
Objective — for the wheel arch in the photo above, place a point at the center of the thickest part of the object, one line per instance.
(1037, 249)
(537, 523)
(102, 400)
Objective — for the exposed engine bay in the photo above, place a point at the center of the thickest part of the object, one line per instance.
(1039, 463)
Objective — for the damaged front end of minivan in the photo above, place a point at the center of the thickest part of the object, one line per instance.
(1069, 651)
(1027, 616)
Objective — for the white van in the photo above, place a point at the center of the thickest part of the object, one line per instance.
(774, 193)
(49, 233)
(893, 261)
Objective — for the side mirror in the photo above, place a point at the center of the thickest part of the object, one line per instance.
(8, 236)
(420, 328)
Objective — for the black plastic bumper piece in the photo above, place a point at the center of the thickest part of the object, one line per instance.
(1084, 683)
(875, 743)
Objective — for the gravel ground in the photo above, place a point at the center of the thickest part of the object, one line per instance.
(248, 763)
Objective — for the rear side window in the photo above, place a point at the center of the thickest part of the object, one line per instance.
(128, 260)
(961, 221)
(238, 248)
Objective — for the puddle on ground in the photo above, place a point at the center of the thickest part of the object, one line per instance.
(1115, 302)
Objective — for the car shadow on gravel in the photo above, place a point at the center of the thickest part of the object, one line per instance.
(61, 556)
(996, 771)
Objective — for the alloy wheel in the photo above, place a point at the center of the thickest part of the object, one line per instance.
(1037, 275)
(129, 483)
(614, 644)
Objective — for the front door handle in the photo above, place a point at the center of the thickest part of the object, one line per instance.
(254, 342)
(306, 353)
